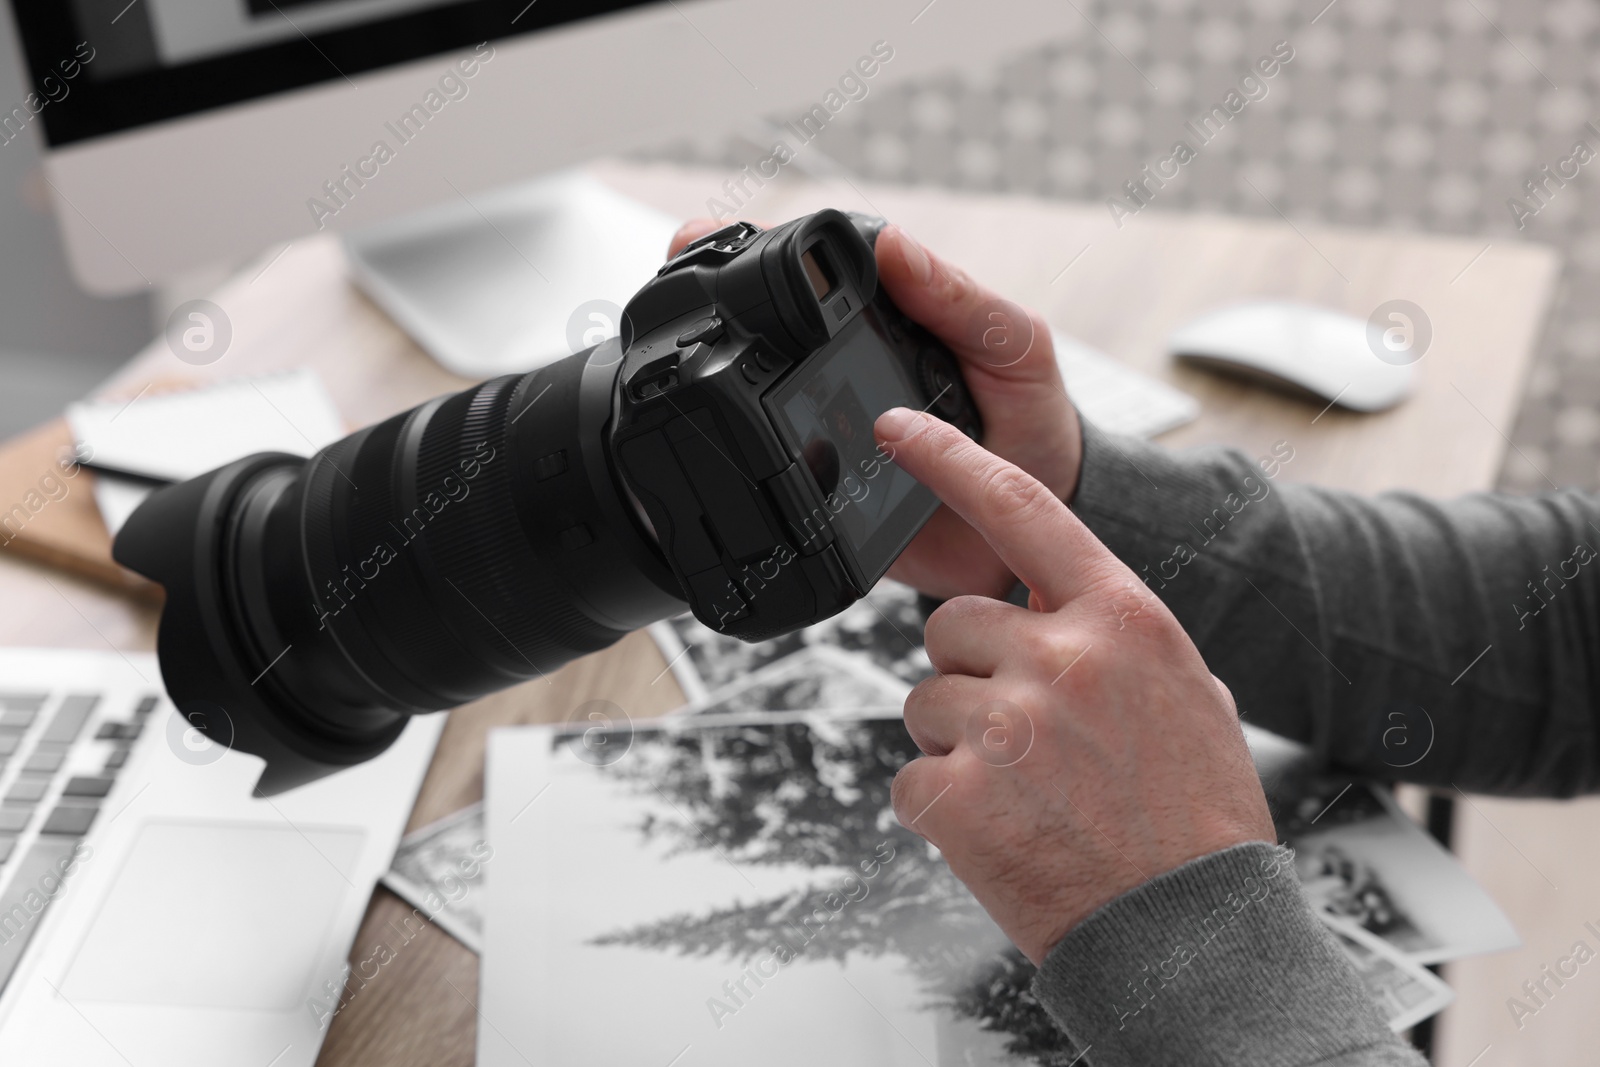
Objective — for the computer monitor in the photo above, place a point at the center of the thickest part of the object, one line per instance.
(184, 133)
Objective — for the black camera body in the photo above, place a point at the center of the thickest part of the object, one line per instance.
(755, 365)
(718, 453)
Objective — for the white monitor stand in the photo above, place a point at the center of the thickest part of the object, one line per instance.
(503, 282)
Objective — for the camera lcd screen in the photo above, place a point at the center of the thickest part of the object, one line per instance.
(829, 408)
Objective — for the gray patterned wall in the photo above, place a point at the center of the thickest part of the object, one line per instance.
(1412, 114)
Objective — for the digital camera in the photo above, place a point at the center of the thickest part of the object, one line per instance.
(717, 455)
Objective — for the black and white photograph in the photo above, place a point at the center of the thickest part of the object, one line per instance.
(1404, 990)
(884, 628)
(819, 679)
(1363, 860)
(741, 886)
(760, 850)
(439, 870)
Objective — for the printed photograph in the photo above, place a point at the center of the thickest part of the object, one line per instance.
(1404, 990)
(885, 627)
(439, 870)
(742, 885)
(819, 679)
(1364, 860)
(759, 901)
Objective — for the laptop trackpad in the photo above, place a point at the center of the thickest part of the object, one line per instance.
(218, 916)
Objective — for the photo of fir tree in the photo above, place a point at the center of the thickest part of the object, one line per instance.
(816, 793)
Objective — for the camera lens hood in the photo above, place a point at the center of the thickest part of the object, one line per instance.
(178, 538)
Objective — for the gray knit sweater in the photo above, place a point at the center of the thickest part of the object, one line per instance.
(1475, 621)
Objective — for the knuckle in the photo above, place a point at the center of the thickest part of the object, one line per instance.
(1010, 494)
(1149, 620)
(1051, 647)
(1154, 625)
(960, 764)
(952, 616)
(1039, 358)
(1055, 654)
(924, 696)
(956, 284)
(1125, 600)
(950, 444)
(904, 790)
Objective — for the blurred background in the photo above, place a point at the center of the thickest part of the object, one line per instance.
(1405, 114)
(1420, 115)
(56, 342)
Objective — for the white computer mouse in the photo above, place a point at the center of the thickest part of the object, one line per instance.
(1301, 348)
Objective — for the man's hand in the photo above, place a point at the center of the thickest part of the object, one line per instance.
(1010, 366)
(1077, 748)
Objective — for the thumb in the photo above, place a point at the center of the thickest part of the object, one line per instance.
(983, 329)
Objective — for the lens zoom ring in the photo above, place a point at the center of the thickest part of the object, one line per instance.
(475, 539)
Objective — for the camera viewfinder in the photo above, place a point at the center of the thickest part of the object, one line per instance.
(818, 271)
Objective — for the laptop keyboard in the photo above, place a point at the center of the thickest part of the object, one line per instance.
(54, 776)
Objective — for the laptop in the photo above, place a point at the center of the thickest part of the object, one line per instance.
(152, 911)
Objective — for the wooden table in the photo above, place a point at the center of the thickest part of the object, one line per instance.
(1119, 289)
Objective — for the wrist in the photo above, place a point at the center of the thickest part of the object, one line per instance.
(1211, 958)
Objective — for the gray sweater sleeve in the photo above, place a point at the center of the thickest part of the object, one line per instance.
(1219, 963)
(1452, 644)
(1445, 643)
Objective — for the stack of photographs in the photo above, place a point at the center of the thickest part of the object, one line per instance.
(737, 887)
(880, 635)
(1394, 898)
(1396, 901)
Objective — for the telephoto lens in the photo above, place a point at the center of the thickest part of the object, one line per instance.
(461, 547)
(488, 537)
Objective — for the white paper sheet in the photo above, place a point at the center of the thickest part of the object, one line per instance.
(181, 435)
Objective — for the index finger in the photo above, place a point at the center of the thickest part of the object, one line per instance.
(1033, 532)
